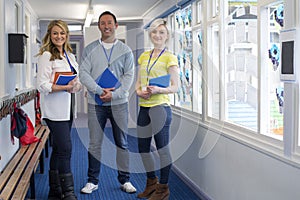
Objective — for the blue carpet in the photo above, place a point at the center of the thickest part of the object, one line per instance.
(108, 185)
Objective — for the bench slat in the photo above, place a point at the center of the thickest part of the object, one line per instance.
(9, 169)
(31, 166)
(16, 176)
(13, 181)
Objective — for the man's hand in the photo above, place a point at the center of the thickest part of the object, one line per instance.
(106, 96)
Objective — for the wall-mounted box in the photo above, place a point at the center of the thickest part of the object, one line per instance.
(17, 47)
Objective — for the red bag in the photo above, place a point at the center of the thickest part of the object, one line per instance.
(29, 136)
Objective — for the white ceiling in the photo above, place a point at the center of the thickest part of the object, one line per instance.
(75, 10)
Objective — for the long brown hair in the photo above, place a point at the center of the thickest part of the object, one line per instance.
(49, 46)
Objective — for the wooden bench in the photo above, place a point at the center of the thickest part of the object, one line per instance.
(18, 175)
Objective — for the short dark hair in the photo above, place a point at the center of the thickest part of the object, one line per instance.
(107, 13)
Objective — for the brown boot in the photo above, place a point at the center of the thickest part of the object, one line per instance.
(150, 188)
(162, 192)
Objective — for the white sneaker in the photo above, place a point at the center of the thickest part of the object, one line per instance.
(89, 188)
(128, 187)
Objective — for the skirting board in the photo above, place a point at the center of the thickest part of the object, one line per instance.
(190, 184)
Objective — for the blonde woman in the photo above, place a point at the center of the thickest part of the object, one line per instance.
(58, 105)
(155, 115)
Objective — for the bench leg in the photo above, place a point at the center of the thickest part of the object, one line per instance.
(42, 164)
(32, 186)
(47, 148)
(50, 139)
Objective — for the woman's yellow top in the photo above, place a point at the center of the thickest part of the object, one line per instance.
(160, 68)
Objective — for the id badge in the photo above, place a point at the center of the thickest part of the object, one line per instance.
(144, 88)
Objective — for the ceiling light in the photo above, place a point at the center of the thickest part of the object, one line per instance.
(89, 18)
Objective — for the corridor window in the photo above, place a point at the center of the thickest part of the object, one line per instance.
(272, 87)
(197, 69)
(213, 72)
(199, 11)
(183, 49)
(241, 77)
(215, 8)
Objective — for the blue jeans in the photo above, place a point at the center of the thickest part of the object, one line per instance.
(155, 121)
(97, 118)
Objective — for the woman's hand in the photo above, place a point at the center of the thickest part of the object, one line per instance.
(154, 90)
(143, 94)
(72, 85)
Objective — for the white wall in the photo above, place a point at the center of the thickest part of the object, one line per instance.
(9, 77)
(7, 149)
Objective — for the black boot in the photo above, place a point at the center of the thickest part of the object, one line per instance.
(67, 186)
(55, 192)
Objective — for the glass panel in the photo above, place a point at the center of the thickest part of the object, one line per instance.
(241, 75)
(199, 12)
(213, 72)
(183, 49)
(274, 88)
(197, 70)
(215, 8)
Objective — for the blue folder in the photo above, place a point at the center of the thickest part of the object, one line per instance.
(161, 81)
(64, 79)
(106, 80)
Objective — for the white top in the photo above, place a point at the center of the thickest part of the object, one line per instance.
(55, 106)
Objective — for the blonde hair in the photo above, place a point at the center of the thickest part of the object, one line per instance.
(156, 23)
(49, 46)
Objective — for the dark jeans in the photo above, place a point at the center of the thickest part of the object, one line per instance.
(62, 145)
(155, 121)
(97, 118)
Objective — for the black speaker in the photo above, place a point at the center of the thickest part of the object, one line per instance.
(17, 47)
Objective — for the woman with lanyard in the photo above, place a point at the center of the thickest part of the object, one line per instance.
(58, 105)
(155, 115)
